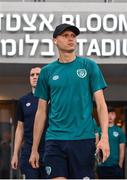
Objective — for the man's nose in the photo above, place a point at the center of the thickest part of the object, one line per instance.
(35, 76)
(71, 38)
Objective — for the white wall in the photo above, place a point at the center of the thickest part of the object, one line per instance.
(89, 1)
(75, 1)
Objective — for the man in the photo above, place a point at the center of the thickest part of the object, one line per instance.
(112, 168)
(27, 107)
(69, 84)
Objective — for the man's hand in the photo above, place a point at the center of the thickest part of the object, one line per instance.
(103, 144)
(14, 162)
(34, 159)
(120, 164)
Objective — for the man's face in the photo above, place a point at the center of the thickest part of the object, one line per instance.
(111, 117)
(34, 73)
(66, 41)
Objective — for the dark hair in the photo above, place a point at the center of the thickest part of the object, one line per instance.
(111, 109)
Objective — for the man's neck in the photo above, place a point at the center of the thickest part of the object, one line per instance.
(33, 90)
(67, 57)
(111, 124)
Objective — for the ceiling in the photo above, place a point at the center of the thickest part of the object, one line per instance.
(112, 72)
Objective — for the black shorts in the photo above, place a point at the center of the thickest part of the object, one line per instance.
(72, 159)
(26, 168)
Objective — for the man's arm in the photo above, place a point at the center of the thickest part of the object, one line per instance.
(96, 138)
(39, 124)
(17, 144)
(103, 119)
(96, 129)
(121, 154)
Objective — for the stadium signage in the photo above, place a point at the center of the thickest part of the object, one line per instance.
(34, 33)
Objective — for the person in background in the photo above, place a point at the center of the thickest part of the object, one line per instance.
(69, 84)
(112, 168)
(25, 115)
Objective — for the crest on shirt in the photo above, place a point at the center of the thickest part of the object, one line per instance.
(81, 73)
(115, 134)
(28, 104)
(48, 170)
(55, 77)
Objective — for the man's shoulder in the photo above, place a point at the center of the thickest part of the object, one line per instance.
(118, 129)
(50, 65)
(86, 60)
(26, 96)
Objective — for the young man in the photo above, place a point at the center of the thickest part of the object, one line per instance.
(27, 107)
(112, 168)
(69, 84)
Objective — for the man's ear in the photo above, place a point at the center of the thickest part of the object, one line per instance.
(55, 41)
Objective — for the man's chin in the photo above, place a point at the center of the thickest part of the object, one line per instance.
(34, 85)
(71, 50)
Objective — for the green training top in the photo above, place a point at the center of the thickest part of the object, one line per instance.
(116, 137)
(69, 88)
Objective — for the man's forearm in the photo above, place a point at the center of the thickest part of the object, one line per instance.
(102, 111)
(103, 144)
(38, 129)
(18, 140)
(103, 119)
(121, 154)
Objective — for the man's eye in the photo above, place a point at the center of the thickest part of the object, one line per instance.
(65, 35)
(32, 75)
(37, 74)
(73, 35)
